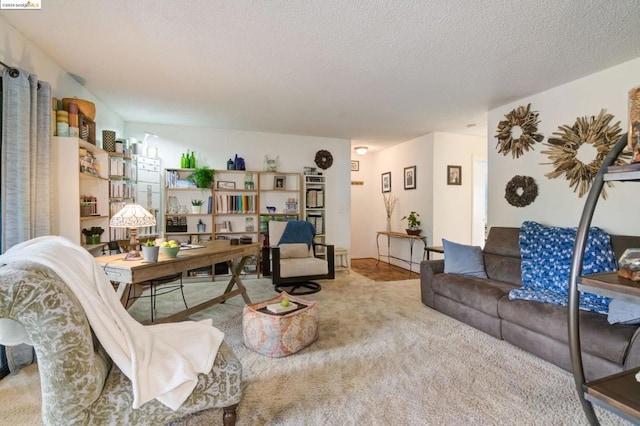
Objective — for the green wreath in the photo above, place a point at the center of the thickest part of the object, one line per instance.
(529, 191)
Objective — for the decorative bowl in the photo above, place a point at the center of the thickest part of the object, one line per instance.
(169, 251)
(413, 231)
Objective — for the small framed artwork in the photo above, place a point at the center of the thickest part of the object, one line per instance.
(410, 177)
(386, 182)
(454, 175)
(355, 165)
(279, 182)
(222, 184)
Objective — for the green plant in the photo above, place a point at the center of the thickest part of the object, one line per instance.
(94, 230)
(412, 220)
(196, 202)
(202, 177)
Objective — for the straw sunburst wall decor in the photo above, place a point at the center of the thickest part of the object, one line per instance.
(518, 132)
(564, 146)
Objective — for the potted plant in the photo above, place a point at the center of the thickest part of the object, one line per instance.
(150, 251)
(413, 223)
(195, 206)
(202, 177)
(85, 209)
(201, 226)
(92, 235)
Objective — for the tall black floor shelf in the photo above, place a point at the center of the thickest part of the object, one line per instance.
(619, 393)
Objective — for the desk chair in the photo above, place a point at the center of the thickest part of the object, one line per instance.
(155, 291)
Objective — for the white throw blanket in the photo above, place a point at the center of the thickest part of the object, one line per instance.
(162, 361)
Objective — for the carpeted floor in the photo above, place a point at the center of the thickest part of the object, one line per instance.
(382, 358)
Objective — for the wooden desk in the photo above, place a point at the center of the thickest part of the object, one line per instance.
(136, 272)
(403, 236)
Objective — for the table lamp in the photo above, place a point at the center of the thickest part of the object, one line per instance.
(132, 216)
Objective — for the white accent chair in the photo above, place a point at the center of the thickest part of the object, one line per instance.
(292, 266)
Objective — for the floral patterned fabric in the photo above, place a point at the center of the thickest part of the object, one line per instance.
(279, 335)
(546, 253)
(80, 386)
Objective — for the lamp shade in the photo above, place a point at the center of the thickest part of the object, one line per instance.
(132, 216)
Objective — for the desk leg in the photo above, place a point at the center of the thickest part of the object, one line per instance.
(378, 247)
(411, 240)
(235, 278)
(425, 252)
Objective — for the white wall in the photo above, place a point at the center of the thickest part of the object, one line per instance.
(445, 210)
(213, 147)
(453, 204)
(17, 51)
(557, 204)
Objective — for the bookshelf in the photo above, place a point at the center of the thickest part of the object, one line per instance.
(181, 222)
(314, 208)
(89, 180)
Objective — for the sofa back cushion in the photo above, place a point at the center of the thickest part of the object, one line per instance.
(502, 255)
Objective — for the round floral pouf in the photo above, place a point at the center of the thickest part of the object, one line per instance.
(279, 335)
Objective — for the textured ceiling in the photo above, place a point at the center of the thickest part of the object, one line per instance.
(377, 72)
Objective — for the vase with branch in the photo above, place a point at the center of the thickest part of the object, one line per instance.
(390, 202)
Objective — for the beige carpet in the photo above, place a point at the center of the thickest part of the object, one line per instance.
(383, 358)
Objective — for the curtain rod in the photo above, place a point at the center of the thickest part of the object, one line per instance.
(13, 72)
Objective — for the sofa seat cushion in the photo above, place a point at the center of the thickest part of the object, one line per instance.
(480, 293)
(597, 336)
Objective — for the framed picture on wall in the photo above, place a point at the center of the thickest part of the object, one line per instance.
(386, 182)
(410, 177)
(454, 175)
(355, 165)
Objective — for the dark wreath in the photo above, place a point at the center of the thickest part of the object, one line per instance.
(529, 191)
(527, 121)
(564, 146)
(324, 159)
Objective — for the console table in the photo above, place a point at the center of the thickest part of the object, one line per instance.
(402, 236)
(137, 272)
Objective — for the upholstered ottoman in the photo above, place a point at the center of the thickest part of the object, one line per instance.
(278, 335)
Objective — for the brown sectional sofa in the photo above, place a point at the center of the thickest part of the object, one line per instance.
(539, 328)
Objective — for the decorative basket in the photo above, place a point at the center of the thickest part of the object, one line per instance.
(85, 107)
(109, 140)
(413, 231)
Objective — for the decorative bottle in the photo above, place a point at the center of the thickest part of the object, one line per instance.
(182, 161)
(192, 160)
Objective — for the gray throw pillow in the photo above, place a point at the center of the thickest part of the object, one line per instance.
(463, 260)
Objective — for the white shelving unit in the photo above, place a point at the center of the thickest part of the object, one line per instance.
(280, 198)
(236, 204)
(314, 195)
(88, 178)
(148, 192)
(180, 223)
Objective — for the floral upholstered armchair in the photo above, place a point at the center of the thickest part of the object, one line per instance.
(80, 384)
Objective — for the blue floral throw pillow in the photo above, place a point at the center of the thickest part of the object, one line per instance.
(546, 264)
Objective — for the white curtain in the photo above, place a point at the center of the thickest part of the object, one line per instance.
(25, 158)
(25, 181)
